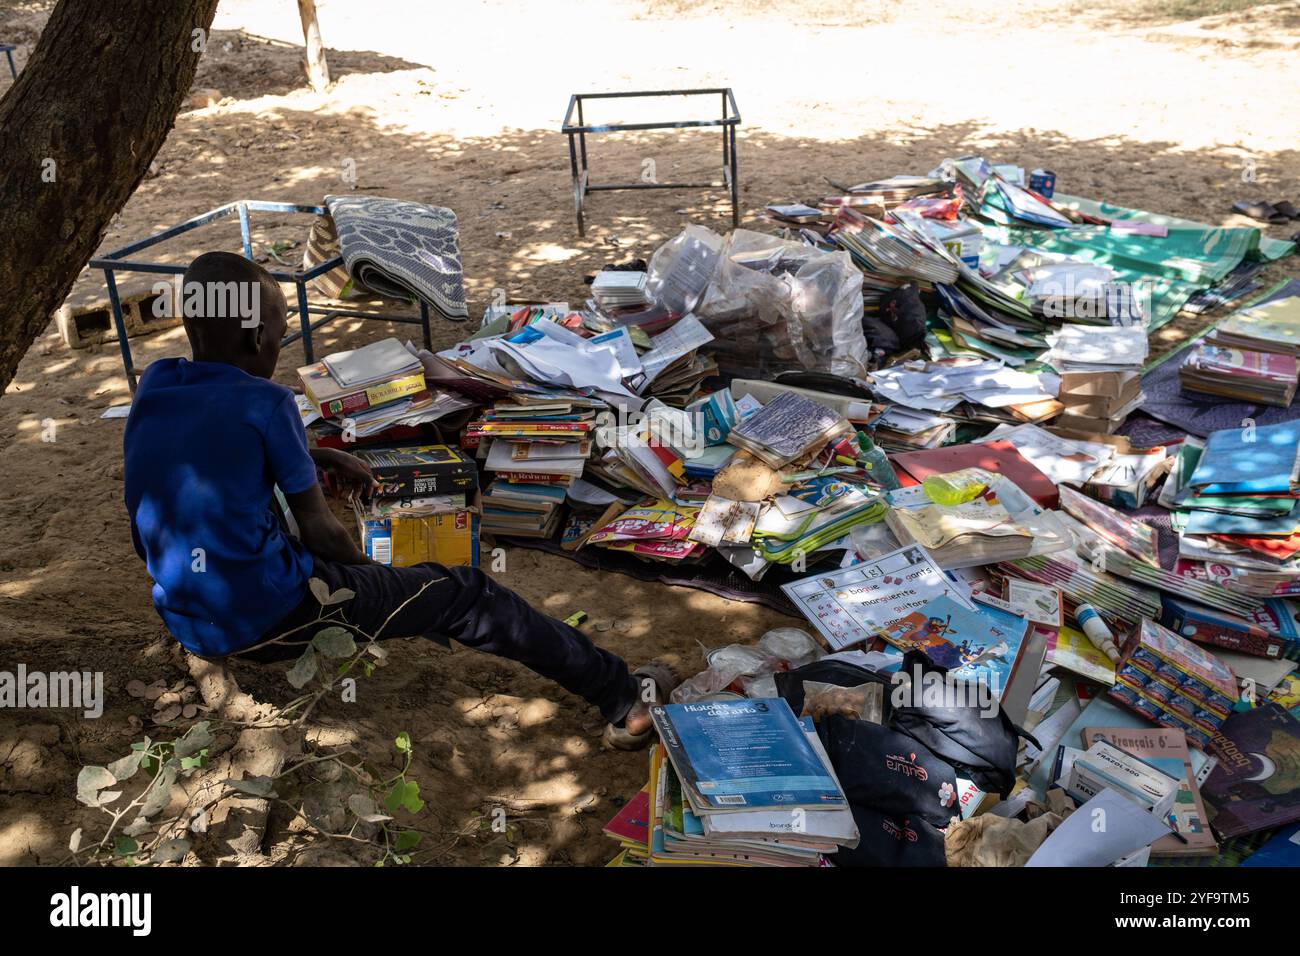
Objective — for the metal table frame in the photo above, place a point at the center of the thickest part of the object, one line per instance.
(577, 134)
(117, 261)
(8, 50)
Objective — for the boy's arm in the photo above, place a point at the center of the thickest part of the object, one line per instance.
(320, 531)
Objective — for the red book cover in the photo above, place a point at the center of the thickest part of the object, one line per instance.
(997, 456)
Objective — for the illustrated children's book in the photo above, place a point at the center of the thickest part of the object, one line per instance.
(976, 645)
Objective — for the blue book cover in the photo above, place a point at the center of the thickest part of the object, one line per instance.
(976, 646)
(745, 755)
(1250, 460)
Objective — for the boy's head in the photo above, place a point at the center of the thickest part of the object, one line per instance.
(234, 312)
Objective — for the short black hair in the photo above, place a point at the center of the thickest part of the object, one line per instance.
(223, 280)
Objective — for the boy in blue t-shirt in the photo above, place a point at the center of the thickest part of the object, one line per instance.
(206, 444)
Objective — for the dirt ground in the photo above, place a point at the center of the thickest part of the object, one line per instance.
(1169, 106)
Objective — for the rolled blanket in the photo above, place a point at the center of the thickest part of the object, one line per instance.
(402, 249)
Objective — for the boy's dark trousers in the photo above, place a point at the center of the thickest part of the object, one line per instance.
(466, 605)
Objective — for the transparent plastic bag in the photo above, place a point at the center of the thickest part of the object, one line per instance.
(680, 269)
(863, 702)
(775, 305)
(749, 667)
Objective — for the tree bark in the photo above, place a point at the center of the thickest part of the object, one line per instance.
(318, 71)
(78, 130)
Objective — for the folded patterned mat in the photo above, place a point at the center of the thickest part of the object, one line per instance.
(395, 248)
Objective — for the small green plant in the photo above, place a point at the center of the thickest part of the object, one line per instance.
(148, 827)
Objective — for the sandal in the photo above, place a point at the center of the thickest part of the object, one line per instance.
(1286, 208)
(665, 680)
(1260, 211)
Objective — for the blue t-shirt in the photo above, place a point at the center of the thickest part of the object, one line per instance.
(205, 445)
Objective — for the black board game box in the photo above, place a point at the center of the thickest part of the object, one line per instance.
(414, 470)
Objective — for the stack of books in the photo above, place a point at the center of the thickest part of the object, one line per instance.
(1236, 510)
(906, 429)
(534, 446)
(426, 508)
(617, 290)
(788, 428)
(1091, 348)
(1272, 327)
(1098, 402)
(961, 536)
(1268, 378)
(732, 784)
(372, 387)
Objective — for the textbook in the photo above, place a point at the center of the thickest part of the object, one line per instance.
(1166, 749)
(744, 755)
(864, 600)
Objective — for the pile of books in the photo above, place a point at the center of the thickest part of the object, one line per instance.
(1098, 402)
(1271, 327)
(733, 784)
(962, 536)
(1235, 507)
(534, 447)
(426, 508)
(372, 387)
(1268, 378)
(905, 429)
(1090, 348)
(617, 290)
(789, 427)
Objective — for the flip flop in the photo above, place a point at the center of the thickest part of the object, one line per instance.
(665, 680)
(1260, 211)
(1286, 208)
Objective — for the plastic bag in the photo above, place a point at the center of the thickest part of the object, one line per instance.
(680, 269)
(864, 702)
(775, 305)
(749, 668)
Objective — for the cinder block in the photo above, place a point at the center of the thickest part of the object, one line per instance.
(88, 320)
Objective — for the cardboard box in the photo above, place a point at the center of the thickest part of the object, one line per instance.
(1175, 683)
(1104, 765)
(401, 539)
(1210, 626)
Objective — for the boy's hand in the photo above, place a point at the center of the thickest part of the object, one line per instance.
(348, 474)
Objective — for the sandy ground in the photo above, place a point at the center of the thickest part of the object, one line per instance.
(1137, 104)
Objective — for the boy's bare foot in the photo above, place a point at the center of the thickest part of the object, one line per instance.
(636, 729)
(638, 720)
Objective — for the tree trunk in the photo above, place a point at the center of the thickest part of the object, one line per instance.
(78, 130)
(318, 71)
